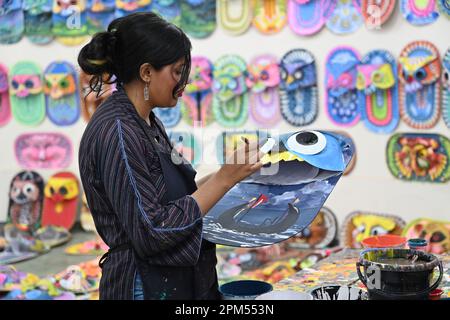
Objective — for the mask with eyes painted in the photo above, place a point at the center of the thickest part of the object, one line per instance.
(262, 74)
(200, 78)
(59, 85)
(61, 200)
(361, 225)
(420, 88)
(437, 234)
(64, 7)
(25, 204)
(419, 157)
(229, 82)
(300, 171)
(24, 85)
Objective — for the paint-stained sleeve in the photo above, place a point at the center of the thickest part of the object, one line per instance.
(161, 234)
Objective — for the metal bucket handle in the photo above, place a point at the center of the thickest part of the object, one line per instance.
(400, 295)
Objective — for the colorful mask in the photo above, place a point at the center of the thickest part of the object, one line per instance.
(346, 17)
(340, 83)
(284, 197)
(298, 87)
(21, 246)
(25, 200)
(446, 88)
(170, 117)
(53, 236)
(419, 12)
(27, 98)
(198, 17)
(362, 225)
(126, 7)
(90, 101)
(269, 16)
(263, 77)
(43, 151)
(419, 157)
(228, 141)
(234, 16)
(307, 17)
(38, 20)
(378, 91)
(230, 100)
(185, 144)
(196, 102)
(420, 88)
(5, 106)
(170, 10)
(376, 12)
(444, 7)
(11, 21)
(322, 231)
(61, 91)
(61, 200)
(100, 13)
(69, 21)
(437, 234)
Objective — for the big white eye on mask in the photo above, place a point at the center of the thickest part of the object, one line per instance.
(307, 142)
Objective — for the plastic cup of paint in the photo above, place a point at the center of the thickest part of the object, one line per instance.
(418, 244)
(384, 241)
(436, 294)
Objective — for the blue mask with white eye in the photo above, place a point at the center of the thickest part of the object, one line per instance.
(283, 198)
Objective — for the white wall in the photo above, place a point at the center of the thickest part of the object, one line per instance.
(369, 187)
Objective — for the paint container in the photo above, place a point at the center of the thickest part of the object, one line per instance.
(338, 292)
(398, 274)
(436, 294)
(418, 244)
(384, 241)
(244, 289)
(285, 295)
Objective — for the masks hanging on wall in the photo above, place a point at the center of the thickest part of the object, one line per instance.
(62, 93)
(197, 101)
(26, 93)
(38, 21)
(43, 151)
(234, 16)
(419, 157)
(437, 234)
(298, 87)
(341, 98)
(420, 86)
(230, 102)
(12, 21)
(446, 88)
(69, 22)
(269, 16)
(99, 14)
(378, 92)
(170, 10)
(307, 17)
(263, 78)
(346, 17)
(5, 106)
(198, 17)
(419, 12)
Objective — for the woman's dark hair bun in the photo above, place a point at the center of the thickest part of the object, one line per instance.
(97, 59)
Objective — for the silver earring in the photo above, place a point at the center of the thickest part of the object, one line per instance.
(146, 93)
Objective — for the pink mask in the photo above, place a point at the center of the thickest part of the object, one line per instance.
(23, 85)
(43, 151)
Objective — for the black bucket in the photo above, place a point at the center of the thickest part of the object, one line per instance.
(404, 274)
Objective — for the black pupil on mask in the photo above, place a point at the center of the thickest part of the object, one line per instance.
(52, 191)
(446, 76)
(63, 191)
(306, 138)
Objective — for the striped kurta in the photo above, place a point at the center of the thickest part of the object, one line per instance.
(123, 181)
